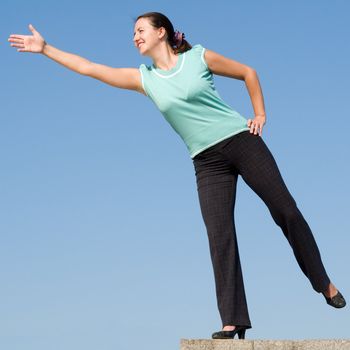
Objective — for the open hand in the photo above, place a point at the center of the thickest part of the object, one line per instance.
(28, 43)
(256, 124)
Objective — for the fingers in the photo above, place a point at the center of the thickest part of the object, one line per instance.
(17, 43)
(31, 28)
(260, 132)
(16, 40)
(16, 36)
(252, 125)
(255, 127)
(21, 36)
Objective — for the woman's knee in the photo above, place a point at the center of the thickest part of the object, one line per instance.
(286, 215)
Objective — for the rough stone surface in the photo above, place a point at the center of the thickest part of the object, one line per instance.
(240, 344)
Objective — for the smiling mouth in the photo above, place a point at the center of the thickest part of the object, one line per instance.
(139, 45)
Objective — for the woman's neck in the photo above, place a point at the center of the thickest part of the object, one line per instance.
(165, 58)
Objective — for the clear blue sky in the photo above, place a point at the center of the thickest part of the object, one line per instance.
(102, 240)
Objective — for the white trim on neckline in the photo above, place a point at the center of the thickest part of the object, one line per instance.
(171, 75)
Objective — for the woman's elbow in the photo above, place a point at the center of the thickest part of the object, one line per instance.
(250, 73)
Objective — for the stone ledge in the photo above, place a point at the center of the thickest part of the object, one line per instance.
(238, 344)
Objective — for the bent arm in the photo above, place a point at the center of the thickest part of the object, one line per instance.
(255, 92)
(124, 78)
(227, 67)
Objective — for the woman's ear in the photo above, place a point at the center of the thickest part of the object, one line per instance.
(161, 32)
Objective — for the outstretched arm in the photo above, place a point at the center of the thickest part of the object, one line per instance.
(224, 66)
(125, 78)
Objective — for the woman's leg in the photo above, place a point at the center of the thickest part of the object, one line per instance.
(249, 154)
(216, 185)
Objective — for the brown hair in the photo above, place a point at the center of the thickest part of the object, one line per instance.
(159, 20)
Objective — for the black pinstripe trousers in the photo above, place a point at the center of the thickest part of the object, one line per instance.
(217, 169)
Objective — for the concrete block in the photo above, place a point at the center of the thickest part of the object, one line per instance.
(243, 344)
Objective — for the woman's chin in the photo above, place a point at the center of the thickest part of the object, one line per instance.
(142, 52)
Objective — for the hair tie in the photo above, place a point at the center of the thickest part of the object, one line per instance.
(178, 37)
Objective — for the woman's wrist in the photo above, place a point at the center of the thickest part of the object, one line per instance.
(44, 48)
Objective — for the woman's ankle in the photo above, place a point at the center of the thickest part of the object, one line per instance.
(331, 291)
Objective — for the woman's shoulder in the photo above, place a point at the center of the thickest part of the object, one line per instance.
(145, 68)
(197, 48)
(197, 52)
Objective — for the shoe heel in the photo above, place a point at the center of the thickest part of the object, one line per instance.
(241, 333)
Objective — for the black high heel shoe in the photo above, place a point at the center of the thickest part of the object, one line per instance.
(239, 330)
(337, 301)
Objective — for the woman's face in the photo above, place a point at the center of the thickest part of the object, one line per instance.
(146, 37)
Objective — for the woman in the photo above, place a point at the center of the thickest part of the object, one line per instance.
(221, 143)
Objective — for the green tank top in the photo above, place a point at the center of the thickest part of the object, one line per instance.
(189, 101)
